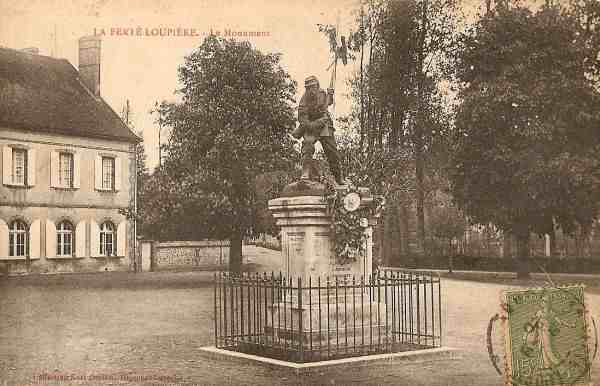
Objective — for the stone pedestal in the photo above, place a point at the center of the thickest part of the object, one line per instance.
(339, 313)
(334, 321)
(306, 244)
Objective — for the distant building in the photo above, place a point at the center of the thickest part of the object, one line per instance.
(67, 167)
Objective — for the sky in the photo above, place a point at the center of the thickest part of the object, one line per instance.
(143, 69)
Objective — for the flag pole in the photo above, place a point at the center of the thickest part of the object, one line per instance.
(335, 60)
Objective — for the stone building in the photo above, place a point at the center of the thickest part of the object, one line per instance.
(67, 167)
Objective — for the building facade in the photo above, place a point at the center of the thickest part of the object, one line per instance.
(68, 167)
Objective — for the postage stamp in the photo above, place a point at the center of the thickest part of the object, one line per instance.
(546, 337)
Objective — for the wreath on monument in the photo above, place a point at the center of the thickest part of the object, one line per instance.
(349, 220)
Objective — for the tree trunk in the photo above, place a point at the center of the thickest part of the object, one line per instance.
(419, 172)
(362, 84)
(402, 231)
(450, 257)
(390, 252)
(523, 262)
(552, 235)
(235, 252)
(418, 132)
(507, 250)
(381, 256)
(369, 120)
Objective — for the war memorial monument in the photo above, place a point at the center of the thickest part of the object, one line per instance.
(327, 302)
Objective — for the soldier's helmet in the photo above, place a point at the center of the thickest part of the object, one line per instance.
(311, 80)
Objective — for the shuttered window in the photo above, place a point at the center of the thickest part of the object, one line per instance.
(108, 173)
(64, 239)
(19, 163)
(65, 174)
(107, 239)
(17, 239)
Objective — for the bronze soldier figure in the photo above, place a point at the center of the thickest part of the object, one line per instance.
(316, 125)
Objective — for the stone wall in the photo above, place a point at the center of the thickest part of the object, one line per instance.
(189, 255)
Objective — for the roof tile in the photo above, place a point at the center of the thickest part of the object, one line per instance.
(41, 93)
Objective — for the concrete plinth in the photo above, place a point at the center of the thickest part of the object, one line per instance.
(388, 359)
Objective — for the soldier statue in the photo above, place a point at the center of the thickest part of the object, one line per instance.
(315, 124)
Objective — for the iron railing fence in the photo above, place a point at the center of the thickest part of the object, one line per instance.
(306, 320)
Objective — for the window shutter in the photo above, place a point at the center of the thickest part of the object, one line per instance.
(118, 173)
(7, 166)
(76, 170)
(3, 239)
(34, 240)
(31, 167)
(50, 239)
(98, 173)
(122, 239)
(54, 169)
(80, 239)
(95, 239)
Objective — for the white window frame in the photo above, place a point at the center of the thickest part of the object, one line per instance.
(110, 186)
(108, 237)
(18, 239)
(65, 244)
(66, 181)
(10, 155)
(15, 180)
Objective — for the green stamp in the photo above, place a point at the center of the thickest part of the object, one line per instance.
(546, 337)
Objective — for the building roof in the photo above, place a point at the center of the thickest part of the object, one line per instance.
(45, 94)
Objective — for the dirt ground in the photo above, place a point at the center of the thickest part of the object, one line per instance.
(117, 325)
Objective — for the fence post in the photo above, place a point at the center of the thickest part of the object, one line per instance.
(241, 306)
(300, 319)
(224, 289)
(418, 275)
(215, 309)
(440, 306)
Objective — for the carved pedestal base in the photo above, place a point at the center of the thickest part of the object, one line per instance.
(333, 323)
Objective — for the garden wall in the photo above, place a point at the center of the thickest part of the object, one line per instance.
(184, 255)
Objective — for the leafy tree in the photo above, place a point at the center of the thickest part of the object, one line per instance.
(141, 173)
(229, 128)
(528, 151)
(405, 55)
(447, 223)
(163, 214)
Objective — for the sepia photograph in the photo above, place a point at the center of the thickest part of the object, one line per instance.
(279, 192)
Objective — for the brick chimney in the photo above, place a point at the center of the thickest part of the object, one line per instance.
(89, 63)
(31, 50)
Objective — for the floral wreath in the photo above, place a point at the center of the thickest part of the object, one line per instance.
(349, 220)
